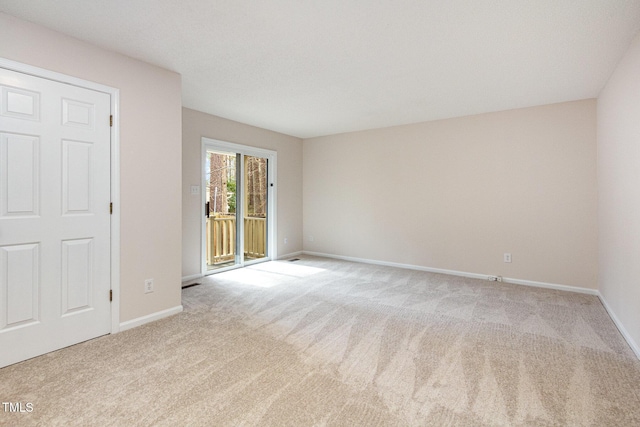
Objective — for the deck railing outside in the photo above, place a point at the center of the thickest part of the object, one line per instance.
(221, 238)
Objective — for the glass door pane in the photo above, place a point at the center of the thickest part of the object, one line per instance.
(255, 207)
(220, 210)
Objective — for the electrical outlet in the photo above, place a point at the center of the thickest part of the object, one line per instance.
(195, 190)
(310, 238)
(148, 286)
(507, 257)
(286, 240)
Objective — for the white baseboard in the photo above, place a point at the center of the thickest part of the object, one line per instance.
(634, 346)
(555, 286)
(292, 254)
(192, 277)
(129, 324)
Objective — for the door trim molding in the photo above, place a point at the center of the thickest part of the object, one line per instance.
(115, 166)
(272, 233)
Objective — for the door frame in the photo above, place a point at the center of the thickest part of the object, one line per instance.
(115, 166)
(245, 150)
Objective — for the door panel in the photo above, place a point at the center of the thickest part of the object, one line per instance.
(20, 284)
(77, 277)
(222, 210)
(255, 207)
(20, 103)
(76, 177)
(54, 215)
(19, 159)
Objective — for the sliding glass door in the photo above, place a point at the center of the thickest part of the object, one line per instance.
(238, 205)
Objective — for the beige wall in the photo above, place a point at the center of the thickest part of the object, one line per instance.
(456, 194)
(619, 192)
(195, 125)
(150, 144)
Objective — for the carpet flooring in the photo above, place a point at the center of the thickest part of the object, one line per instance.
(326, 342)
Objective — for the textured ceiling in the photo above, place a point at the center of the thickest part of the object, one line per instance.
(310, 68)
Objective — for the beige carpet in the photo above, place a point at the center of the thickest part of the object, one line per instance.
(325, 342)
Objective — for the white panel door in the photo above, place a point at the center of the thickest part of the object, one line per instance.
(54, 215)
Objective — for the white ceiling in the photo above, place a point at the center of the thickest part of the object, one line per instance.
(310, 68)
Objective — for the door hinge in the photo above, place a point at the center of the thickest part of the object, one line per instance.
(111, 121)
(110, 295)
(111, 208)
